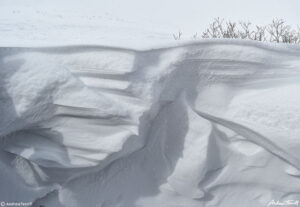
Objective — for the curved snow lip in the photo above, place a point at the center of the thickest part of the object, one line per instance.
(282, 47)
(203, 123)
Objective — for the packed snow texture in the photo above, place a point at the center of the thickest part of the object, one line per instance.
(213, 123)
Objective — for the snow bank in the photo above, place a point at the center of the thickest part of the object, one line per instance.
(213, 123)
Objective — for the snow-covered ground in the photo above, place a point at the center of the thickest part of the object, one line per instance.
(34, 27)
(135, 24)
(100, 107)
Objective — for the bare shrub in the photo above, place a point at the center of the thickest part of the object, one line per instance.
(215, 29)
(259, 33)
(245, 32)
(277, 31)
(195, 36)
(177, 36)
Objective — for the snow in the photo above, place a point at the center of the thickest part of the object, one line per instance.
(101, 107)
(212, 123)
(138, 24)
(36, 25)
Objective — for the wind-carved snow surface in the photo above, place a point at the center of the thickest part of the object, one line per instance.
(213, 123)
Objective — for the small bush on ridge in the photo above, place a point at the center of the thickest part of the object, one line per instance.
(277, 31)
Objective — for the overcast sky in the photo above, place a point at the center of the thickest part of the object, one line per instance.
(187, 15)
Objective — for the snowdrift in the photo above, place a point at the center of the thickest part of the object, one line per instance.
(214, 123)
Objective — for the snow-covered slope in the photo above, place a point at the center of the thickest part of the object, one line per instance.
(127, 23)
(39, 25)
(213, 123)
